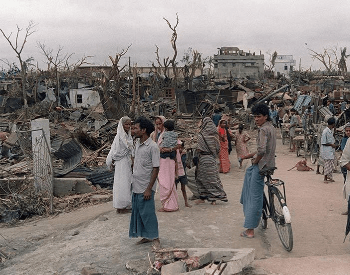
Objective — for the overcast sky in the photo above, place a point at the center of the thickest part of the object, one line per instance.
(105, 27)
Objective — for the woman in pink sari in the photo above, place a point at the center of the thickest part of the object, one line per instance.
(166, 176)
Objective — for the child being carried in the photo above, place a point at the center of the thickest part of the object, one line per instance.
(169, 140)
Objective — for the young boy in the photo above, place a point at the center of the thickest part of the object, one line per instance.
(181, 170)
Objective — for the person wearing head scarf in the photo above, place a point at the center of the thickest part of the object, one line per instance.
(166, 176)
(208, 181)
(225, 164)
(119, 159)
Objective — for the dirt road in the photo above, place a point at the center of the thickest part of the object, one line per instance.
(97, 237)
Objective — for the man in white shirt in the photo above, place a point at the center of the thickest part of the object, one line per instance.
(328, 150)
(144, 222)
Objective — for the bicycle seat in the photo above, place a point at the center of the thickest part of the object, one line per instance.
(267, 171)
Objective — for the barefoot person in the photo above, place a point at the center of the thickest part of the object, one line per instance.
(263, 158)
(119, 160)
(181, 171)
(327, 150)
(225, 164)
(208, 181)
(144, 221)
(166, 177)
(241, 138)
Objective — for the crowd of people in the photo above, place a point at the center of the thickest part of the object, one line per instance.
(145, 153)
(326, 141)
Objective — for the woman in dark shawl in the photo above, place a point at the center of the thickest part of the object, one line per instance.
(208, 180)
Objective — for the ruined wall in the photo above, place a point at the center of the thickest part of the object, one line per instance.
(84, 98)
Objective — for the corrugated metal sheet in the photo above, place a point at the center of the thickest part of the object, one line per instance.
(71, 153)
(102, 176)
(303, 100)
(325, 111)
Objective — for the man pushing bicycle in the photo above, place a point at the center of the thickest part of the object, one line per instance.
(262, 158)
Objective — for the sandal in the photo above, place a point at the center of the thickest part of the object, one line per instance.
(245, 235)
(144, 240)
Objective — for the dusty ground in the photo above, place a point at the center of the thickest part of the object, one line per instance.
(97, 237)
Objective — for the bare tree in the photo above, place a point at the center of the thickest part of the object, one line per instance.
(173, 44)
(110, 94)
(193, 61)
(272, 61)
(72, 66)
(328, 58)
(165, 65)
(167, 61)
(57, 61)
(18, 47)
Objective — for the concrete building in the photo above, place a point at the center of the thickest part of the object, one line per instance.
(231, 61)
(284, 65)
(84, 97)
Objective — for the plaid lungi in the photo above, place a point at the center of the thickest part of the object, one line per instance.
(329, 167)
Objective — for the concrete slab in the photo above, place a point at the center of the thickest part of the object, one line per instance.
(236, 260)
(66, 186)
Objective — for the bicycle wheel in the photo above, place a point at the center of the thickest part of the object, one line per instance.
(264, 214)
(284, 229)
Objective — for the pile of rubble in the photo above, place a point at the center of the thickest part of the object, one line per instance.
(194, 261)
(80, 138)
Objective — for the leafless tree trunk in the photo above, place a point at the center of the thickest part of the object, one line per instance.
(17, 46)
(134, 75)
(112, 101)
(57, 61)
(173, 44)
(165, 65)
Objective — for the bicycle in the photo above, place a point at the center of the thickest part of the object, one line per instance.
(275, 208)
